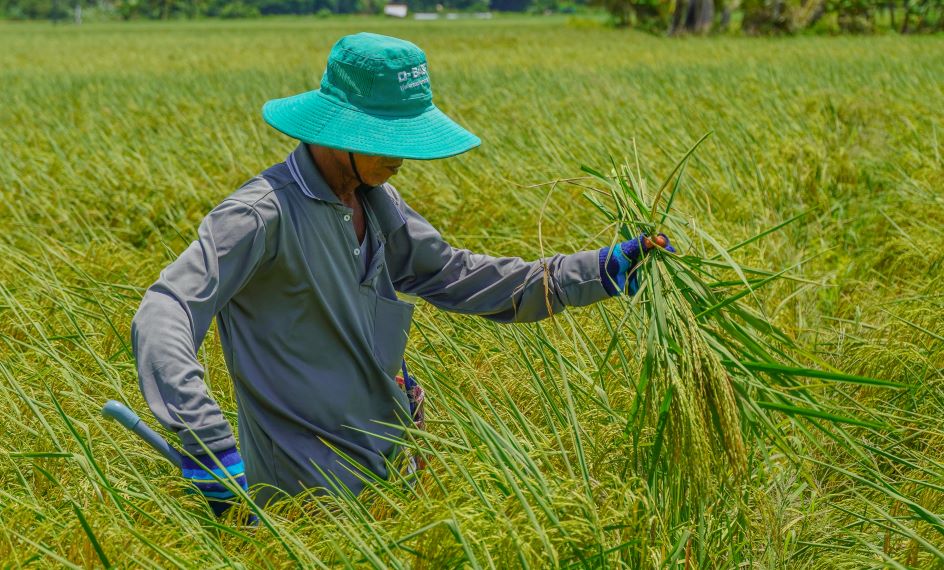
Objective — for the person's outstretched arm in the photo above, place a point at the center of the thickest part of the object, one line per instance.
(176, 313)
(503, 289)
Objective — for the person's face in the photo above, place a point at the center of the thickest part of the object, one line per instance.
(375, 170)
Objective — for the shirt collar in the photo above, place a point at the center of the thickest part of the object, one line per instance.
(302, 167)
(303, 170)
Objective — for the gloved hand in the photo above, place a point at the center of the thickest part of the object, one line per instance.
(619, 266)
(417, 397)
(217, 495)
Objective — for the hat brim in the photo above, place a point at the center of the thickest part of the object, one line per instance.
(316, 119)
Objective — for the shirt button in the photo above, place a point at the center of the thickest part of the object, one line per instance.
(347, 217)
(357, 251)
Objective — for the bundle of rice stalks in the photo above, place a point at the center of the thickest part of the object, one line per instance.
(714, 367)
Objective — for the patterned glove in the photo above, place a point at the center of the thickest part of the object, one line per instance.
(216, 494)
(618, 267)
(417, 397)
(415, 394)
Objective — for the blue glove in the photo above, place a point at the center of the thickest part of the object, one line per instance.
(216, 494)
(618, 266)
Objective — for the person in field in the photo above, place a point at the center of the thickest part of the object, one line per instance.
(301, 267)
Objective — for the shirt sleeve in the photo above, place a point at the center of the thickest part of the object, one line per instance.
(503, 289)
(176, 313)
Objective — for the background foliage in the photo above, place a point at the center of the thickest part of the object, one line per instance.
(672, 17)
(117, 139)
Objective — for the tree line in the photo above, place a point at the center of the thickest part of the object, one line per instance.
(671, 17)
(778, 16)
(170, 9)
(61, 10)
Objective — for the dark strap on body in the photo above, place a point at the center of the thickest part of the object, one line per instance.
(364, 185)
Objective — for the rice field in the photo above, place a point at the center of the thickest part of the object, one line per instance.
(545, 448)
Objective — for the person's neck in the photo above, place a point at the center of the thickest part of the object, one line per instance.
(337, 175)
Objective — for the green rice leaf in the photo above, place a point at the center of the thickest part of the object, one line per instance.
(810, 413)
(774, 368)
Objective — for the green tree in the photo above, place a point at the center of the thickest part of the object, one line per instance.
(652, 15)
(780, 16)
(695, 16)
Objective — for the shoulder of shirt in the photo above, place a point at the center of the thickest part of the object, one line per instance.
(394, 196)
(260, 192)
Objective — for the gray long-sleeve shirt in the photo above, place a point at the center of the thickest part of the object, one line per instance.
(312, 342)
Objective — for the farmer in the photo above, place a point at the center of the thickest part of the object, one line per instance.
(301, 267)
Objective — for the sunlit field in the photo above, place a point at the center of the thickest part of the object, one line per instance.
(547, 445)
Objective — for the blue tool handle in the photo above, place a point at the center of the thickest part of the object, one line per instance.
(126, 417)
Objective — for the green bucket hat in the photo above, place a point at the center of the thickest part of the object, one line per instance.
(375, 98)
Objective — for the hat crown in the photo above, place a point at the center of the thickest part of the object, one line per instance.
(378, 74)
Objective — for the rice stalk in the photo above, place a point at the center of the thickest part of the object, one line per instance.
(712, 367)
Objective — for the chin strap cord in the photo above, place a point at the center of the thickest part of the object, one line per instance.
(364, 185)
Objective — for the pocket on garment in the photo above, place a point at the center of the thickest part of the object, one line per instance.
(391, 326)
